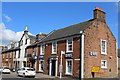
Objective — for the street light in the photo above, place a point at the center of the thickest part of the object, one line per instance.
(60, 68)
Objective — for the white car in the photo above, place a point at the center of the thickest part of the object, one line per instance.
(5, 70)
(26, 71)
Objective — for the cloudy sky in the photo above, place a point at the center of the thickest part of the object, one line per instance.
(48, 16)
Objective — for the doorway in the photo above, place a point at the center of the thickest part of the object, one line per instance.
(53, 68)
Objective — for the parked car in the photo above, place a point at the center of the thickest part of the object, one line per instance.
(5, 70)
(26, 71)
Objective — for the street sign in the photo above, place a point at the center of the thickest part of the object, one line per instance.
(60, 68)
(95, 69)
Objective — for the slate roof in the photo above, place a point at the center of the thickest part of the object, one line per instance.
(68, 31)
(13, 49)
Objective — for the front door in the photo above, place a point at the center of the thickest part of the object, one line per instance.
(53, 68)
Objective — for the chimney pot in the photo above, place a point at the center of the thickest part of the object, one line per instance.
(99, 14)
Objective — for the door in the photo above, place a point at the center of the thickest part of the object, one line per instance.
(53, 68)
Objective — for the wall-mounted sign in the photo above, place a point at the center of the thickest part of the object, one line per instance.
(68, 55)
(95, 69)
(35, 57)
(93, 53)
(41, 56)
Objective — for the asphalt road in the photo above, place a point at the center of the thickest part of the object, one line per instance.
(14, 76)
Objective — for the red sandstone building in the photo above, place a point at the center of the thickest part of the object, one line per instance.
(88, 50)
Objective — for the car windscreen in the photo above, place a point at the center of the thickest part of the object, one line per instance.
(30, 69)
(6, 68)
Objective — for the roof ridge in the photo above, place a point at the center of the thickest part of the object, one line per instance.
(75, 24)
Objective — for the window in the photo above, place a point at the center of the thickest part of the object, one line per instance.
(42, 50)
(69, 45)
(41, 65)
(25, 53)
(26, 41)
(103, 63)
(11, 55)
(69, 66)
(103, 47)
(19, 54)
(54, 48)
(15, 54)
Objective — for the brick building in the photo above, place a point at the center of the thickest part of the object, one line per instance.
(86, 50)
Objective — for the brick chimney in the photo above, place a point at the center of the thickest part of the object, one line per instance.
(99, 14)
(40, 36)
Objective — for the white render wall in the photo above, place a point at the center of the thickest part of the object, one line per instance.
(22, 51)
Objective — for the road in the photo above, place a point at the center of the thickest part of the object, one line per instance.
(13, 76)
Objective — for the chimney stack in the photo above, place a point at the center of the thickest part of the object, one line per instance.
(26, 30)
(99, 14)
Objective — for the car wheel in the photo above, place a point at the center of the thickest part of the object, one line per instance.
(24, 75)
(33, 76)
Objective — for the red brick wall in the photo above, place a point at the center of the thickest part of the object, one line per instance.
(61, 46)
(93, 35)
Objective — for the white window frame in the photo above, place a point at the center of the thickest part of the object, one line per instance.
(105, 53)
(41, 50)
(3, 55)
(67, 67)
(53, 48)
(68, 45)
(40, 66)
(10, 54)
(104, 67)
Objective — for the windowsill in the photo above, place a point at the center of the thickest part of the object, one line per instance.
(104, 53)
(41, 71)
(103, 67)
(68, 73)
(54, 53)
(68, 51)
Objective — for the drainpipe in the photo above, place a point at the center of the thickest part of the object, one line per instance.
(117, 56)
(82, 54)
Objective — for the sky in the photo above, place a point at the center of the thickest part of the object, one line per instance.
(44, 17)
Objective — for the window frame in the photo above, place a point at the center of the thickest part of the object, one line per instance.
(104, 67)
(10, 54)
(53, 47)
(42, 49)
(68, 45)
(67, 67)
(105, 53)
(40, 66)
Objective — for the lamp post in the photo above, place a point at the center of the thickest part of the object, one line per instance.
(60, 68)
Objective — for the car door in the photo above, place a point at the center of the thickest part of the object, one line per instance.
(23, 71)
(19, 71)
